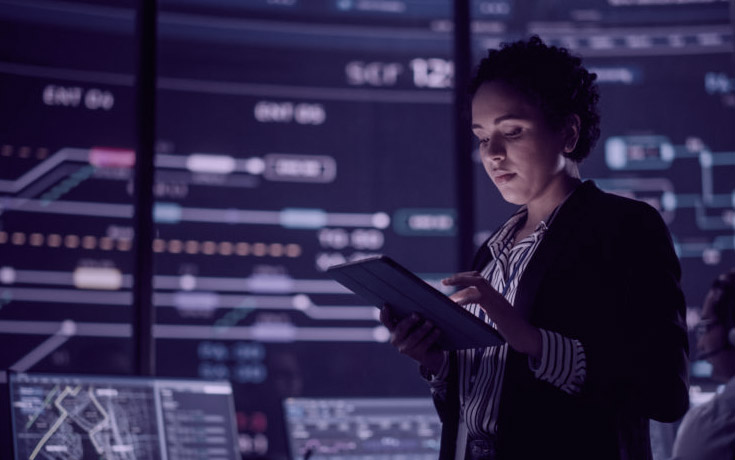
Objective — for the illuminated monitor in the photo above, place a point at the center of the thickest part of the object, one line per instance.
(362, 428)
(86, 417)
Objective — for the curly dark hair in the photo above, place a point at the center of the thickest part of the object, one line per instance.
(553, 80)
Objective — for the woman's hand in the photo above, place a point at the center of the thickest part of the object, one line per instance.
(477, 290)
(519, 333)
(414, 337)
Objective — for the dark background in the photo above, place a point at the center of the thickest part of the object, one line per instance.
(363, 86)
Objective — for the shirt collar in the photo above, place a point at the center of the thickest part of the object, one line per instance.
(504, 236)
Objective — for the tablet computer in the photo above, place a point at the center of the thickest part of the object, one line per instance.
(380, 280)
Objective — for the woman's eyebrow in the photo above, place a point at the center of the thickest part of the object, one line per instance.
(509, 116)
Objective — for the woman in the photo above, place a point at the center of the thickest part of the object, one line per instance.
(583, 285)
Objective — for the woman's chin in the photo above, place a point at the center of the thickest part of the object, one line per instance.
(511, 197)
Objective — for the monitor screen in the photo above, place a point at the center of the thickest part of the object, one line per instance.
(92, 417)
(362, 428)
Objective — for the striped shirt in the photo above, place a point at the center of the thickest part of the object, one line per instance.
(481, 370)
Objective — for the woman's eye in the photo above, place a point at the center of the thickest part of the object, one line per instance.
(515, 132)
(484, 141)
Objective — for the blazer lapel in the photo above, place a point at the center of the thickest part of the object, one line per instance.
(561, 231)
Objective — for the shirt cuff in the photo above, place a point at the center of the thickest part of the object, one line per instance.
(563, 362)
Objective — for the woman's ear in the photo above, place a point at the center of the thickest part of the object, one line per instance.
(571, 132)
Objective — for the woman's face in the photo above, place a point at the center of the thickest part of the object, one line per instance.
(521, 153)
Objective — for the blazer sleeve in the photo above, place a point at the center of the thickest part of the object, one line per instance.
(655, 353)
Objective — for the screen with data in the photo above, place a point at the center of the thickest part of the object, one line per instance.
(291, 139)
(87, 417)
(66, 149)
(292, 135)
(362, 428)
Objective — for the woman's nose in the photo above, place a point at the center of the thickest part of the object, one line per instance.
(496, 149)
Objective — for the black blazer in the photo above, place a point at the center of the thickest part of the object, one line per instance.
(605, 274)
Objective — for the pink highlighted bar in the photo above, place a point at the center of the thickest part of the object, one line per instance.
(110, 157)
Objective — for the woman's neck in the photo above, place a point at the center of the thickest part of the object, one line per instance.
(540, 208)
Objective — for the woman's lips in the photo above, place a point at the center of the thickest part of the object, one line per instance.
(503, 178)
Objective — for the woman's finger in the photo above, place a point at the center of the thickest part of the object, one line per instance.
(466, 296)
(420, 348)
(458, 277)
(464, 279)
(415, 337)
(403, 328)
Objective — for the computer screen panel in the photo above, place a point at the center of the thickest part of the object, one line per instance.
(362, 428)
(92, 417)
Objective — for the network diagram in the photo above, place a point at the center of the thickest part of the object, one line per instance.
(220, 307)
(713, 204)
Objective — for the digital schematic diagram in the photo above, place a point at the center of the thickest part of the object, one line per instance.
(277, 167)
(78, 421)
(257, 299)
(327, 139)
(264, 178)
(362, 428)
(82, 417)
(194, 296)
(712, 206)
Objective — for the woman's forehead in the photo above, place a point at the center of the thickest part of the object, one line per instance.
(498, 99)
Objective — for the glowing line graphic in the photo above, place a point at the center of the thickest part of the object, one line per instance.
(58, 423)
(174, 213)
(274, 333)
(76, 208)
(65, 154)
(197, 332)
(66, 330)
(51, 327)
(70, 296)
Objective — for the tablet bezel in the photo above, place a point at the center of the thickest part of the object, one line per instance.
(382, 281)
